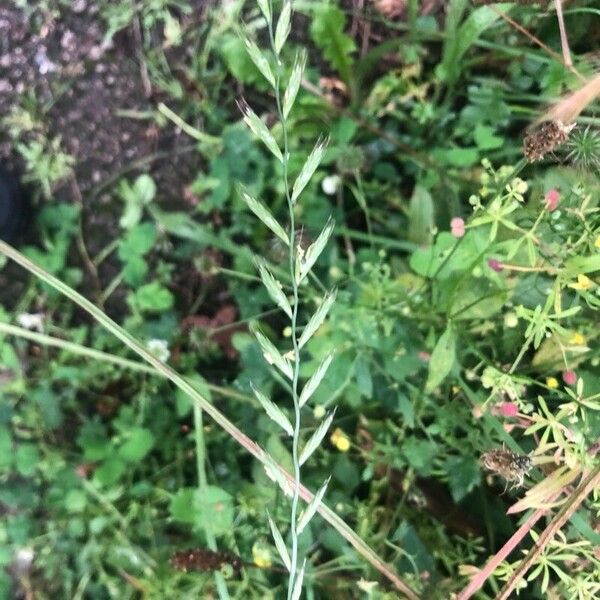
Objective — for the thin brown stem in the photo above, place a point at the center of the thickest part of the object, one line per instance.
(565, 513)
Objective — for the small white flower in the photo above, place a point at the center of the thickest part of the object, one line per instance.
(330, 184)
(24, 559)
(160, 349)
(32, 321)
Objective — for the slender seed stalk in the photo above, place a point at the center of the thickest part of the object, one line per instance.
(296, 350)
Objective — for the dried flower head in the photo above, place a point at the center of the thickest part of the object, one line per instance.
(508, 464)
(545, 138)
(202, 559)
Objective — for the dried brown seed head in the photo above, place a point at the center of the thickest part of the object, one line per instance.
(545, 138)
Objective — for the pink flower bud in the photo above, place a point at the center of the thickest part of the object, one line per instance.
(569, 377)
(495, 265)
(552, 199)
(508, 409)
(457, 227)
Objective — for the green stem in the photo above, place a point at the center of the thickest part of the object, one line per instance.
(202, 483)
(296, 351)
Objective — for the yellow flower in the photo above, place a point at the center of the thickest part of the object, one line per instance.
(340, 440)
(261, 555)
(552, 382)
(583, 283)
(597, 242)
(577, 340)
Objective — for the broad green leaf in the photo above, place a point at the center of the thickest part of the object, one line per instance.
(317, 319)
(263, 213)
(442, 358)
(153, 297)
(139, 442)
(327, 32)
(309, 168)
(294, 83)
(279, 543)
(274, 412)
(458, 41)
(214, 509)
(312, 384)
(311, 509)
(582, 264)
(260, 129)
(317, 437)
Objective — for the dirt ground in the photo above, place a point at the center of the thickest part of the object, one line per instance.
(97, 96)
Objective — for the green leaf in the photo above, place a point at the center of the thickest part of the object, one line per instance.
(420, 216)
(214, 510)
(265, 8)
(262, 64)
(311, 509)
(272, 355)
(274, 412)
(294, 83)
(317, 437)
(182, 507)
(260, 130)
(314, 250)
(263, 213)
(317, 319)
(209, 509)
(485, 139)
(464, 474)
(139, 240)
(26, 459)
(110, 471)
(309, 168)
(457, 42)
(577, 265)
(274, 287)
(298, 582)
(312, 384)
(283, 26)
(327, 32)
(153, 297)
(420, 454)
(75, 501)
(140, 441)
(279, 543)
(442, 359)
